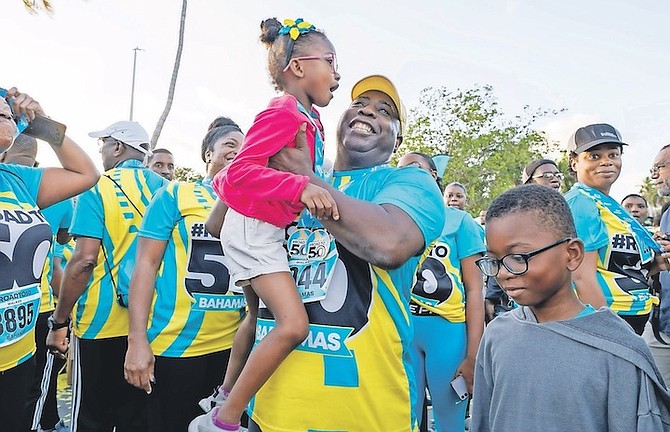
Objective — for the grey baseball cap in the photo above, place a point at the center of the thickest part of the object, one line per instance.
(590, 136)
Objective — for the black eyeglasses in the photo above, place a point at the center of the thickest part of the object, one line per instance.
(550, 176)
(515, 263)
(657, 167)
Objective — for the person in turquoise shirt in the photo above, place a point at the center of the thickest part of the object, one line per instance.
(447, 310)
(183, 318)
(25, 240)
(106, 223)
(42, 408)
(620, 253)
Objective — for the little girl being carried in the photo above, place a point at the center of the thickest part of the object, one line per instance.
(262, 202)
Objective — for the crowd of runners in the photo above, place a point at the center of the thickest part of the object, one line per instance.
(314, 295)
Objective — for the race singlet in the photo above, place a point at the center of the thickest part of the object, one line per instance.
(25, 239)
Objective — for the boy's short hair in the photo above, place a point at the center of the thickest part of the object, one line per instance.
(159, 150)
(634, 195)
(550, 206)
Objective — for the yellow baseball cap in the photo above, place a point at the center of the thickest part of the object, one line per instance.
(384, 85)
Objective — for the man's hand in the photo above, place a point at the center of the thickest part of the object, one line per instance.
(57, 342)
(296, 160)
(319, 202)
(138, 368)
(24, 104)
(662, 260)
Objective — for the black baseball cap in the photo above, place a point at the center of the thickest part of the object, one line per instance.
(590, 136)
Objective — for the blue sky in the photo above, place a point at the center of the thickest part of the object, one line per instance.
(603, 61)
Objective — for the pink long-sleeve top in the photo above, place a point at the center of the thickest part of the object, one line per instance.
(253, 189)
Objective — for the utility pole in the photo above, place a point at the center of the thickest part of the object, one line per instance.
(132, 90)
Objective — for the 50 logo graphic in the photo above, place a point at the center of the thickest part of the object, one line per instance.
(349, 297)
(25, 239)
(434, 284)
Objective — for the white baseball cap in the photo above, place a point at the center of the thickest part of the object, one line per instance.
(129, 133)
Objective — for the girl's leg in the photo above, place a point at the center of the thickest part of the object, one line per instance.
(443, 356)
(243, 342)
(279, 294)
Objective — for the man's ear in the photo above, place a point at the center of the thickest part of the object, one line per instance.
(119, 148)
(398, 142)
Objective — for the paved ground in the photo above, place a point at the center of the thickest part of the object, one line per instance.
(64, 395)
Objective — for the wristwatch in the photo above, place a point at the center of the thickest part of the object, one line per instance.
(53, 325)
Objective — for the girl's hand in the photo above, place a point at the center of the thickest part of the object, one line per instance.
(319, 202)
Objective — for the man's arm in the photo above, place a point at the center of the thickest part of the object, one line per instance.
(139, 363)
(56, 276)
(216, 217)
(474, 316)
(381, 234)
(75, 279)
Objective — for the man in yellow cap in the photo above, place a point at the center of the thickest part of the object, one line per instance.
(352, 372)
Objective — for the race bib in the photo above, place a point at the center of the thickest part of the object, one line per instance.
(312, 255)
(19, 308)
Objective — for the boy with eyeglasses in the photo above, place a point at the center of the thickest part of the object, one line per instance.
(555, 363)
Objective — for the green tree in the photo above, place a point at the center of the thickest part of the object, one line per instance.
(488, 150)
(564, 167)
(187, 174)
(648, 191)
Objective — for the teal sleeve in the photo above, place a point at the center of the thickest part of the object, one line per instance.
(31, 177)
(89, 217)
(59, 215)
(590, 227)
(469, 238)
(67, 214)
(162, 214)
(415, 192)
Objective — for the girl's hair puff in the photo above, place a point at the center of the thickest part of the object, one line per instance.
(278, 45)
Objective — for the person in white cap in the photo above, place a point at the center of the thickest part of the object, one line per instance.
(95, 284)
(353, 372)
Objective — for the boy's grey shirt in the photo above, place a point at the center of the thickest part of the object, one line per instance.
(591, 373)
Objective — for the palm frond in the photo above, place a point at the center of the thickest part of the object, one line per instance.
(34, 6)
